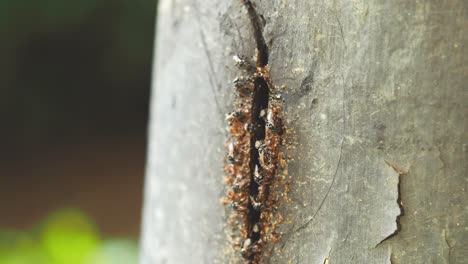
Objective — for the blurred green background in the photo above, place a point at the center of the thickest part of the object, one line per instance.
(74, 92)
(66, 236)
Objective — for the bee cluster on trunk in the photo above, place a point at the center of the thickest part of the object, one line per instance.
(253, 161)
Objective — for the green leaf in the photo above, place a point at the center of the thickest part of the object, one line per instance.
(69, 237)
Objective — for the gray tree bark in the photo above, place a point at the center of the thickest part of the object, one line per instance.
(376, 95)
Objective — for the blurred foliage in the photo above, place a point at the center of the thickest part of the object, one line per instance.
(74, 66)
(71, 67)
(65, 237)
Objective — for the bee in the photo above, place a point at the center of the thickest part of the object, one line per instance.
(249, 127)
(229, 169)
(242, 63)
(263, 156)
(257, 206)
(245, 248)
(258, 143)
(238, 207)
(261, 148)
(242, 86)
(261, 192)
(257, 176)
(270, 122)
(230, 194)
(238, 185)
(239, 61)
(234, 205)
(231, 150)
(273, 123)
(233, 115)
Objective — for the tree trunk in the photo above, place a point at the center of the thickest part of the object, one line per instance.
(376, 97)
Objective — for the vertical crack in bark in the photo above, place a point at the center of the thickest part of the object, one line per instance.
(256, 130)
(259, 103)
(257, 31)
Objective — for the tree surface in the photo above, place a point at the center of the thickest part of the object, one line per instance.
(376, 96)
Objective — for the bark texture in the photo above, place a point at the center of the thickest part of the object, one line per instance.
(376, 94)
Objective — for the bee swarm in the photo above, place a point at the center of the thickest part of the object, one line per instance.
(255, 162)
